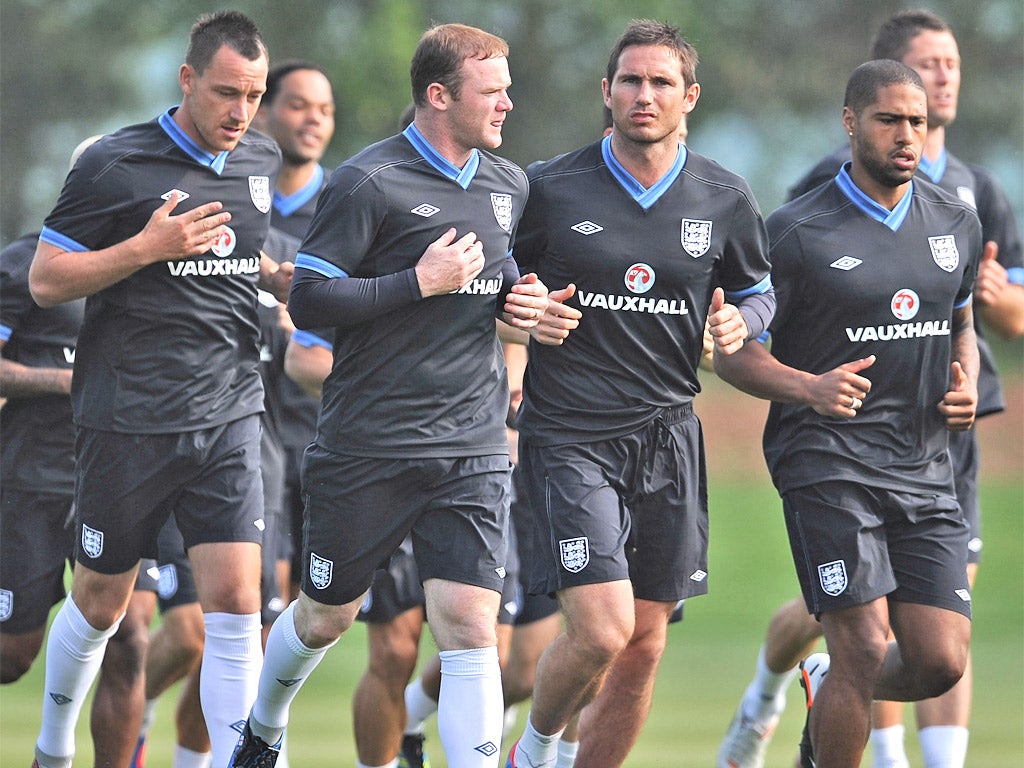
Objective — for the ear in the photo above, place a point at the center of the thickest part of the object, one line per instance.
(186, 78)
(438, 96)
(849, 121)
(692, 94)
(606, 92)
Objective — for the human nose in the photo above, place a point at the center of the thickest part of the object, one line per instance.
(644, 93)
(240, 109)
(505, 103)
(905, 132)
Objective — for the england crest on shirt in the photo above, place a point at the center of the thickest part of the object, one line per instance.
(696, 237)
(944, 252)
(575, 553)
(502, 205)
(6, 604)
(833, 577)
(259, 191)
(92, 541)
(321, 571)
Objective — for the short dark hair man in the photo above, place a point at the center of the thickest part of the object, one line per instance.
(874, 272)
(647, 233)
(160, 226)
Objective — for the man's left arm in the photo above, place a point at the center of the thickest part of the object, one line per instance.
(960, 402)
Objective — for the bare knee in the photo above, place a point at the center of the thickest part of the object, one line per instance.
(188, 632)
(601, 645)
(17, 652)
(935, 675)
(318, 625)
(393, 654)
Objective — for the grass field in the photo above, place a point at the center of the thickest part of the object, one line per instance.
(711, 653)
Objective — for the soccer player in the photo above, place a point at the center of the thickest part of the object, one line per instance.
(407, 259)
(37, 352)
(159, 226)
(645, 232)
(297, 111)
(874, 272)
(924, 42)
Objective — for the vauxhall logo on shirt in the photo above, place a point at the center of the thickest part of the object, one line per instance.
(224, 245)
(904, 305)
(638, 279)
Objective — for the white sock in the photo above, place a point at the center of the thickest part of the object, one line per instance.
(765, 697)
(148, 717)
(392, 764)
(887, 748)
(471, 707)
(418, 706)
(227, 680)
(539, 750)
(186, 758)
(567, 753)
(286, 666)
(943, 746)
(509, 720)
(74, 653)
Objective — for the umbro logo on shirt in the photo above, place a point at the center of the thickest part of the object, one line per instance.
(426, 210)
(587, 228)
(182, 195)
(846, 263)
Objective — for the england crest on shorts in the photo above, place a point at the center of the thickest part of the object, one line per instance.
(575, 553)
(6, 604)
(92, 541)
(944, 252)
(833, 577)
(259, 191)
(167, 582)
(502, 205)
(321, 571)
(696, 237)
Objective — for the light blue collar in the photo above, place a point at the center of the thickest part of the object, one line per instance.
(463, 177)
(286, 205)
(189, 147)
(936, 169)
(644, 197)
(892, 219)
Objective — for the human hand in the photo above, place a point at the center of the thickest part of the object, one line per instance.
(558, 319)
(960, 403)
(840, 392)
(168, 237)
(726, 325)
(526, 301)
(992, 277)
(448, 264)
(276, 278)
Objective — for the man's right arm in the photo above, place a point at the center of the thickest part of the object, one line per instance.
(754, 370)
(63, 270)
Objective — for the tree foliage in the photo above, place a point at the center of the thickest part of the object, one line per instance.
(772, 75)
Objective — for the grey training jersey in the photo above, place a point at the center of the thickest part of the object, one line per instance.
(174, 346)
(979, 189)
(37, 435)
(854, 280)
(645, 262)
(426, 379)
